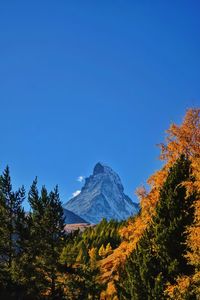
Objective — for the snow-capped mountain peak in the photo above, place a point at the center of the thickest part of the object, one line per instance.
(102, 196)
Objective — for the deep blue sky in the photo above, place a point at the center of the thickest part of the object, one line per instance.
(87, 81)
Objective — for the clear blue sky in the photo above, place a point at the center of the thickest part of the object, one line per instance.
(87, 81)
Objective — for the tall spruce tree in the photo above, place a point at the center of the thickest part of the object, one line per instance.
(160, 254)
(47, 238)
(11, 215)
(28, 263)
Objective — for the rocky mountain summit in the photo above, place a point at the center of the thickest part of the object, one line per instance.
(102, 196)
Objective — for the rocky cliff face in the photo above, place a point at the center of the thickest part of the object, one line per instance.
(102, 196)
(72, 218)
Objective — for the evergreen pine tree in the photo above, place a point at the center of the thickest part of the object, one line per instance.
(11, 213)
(160, 254)
(46, 240)
(54, 239)
(84, 284)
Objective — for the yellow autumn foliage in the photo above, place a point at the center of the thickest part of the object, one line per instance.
(183, 139)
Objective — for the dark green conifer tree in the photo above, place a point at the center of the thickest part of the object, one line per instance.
(83, 284)
(47, 239)
(11, 214)
(159, 256)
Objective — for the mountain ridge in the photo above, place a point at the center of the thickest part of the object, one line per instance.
(72, 218)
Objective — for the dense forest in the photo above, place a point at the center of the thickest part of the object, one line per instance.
(151, 256)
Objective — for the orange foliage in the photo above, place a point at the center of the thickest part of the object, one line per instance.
(179, 291)
(110, 293)
(183, 139)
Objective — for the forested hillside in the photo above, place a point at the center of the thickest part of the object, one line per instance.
(151, 256)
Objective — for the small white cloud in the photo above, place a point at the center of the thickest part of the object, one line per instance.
(80, 178)
(76, 193)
